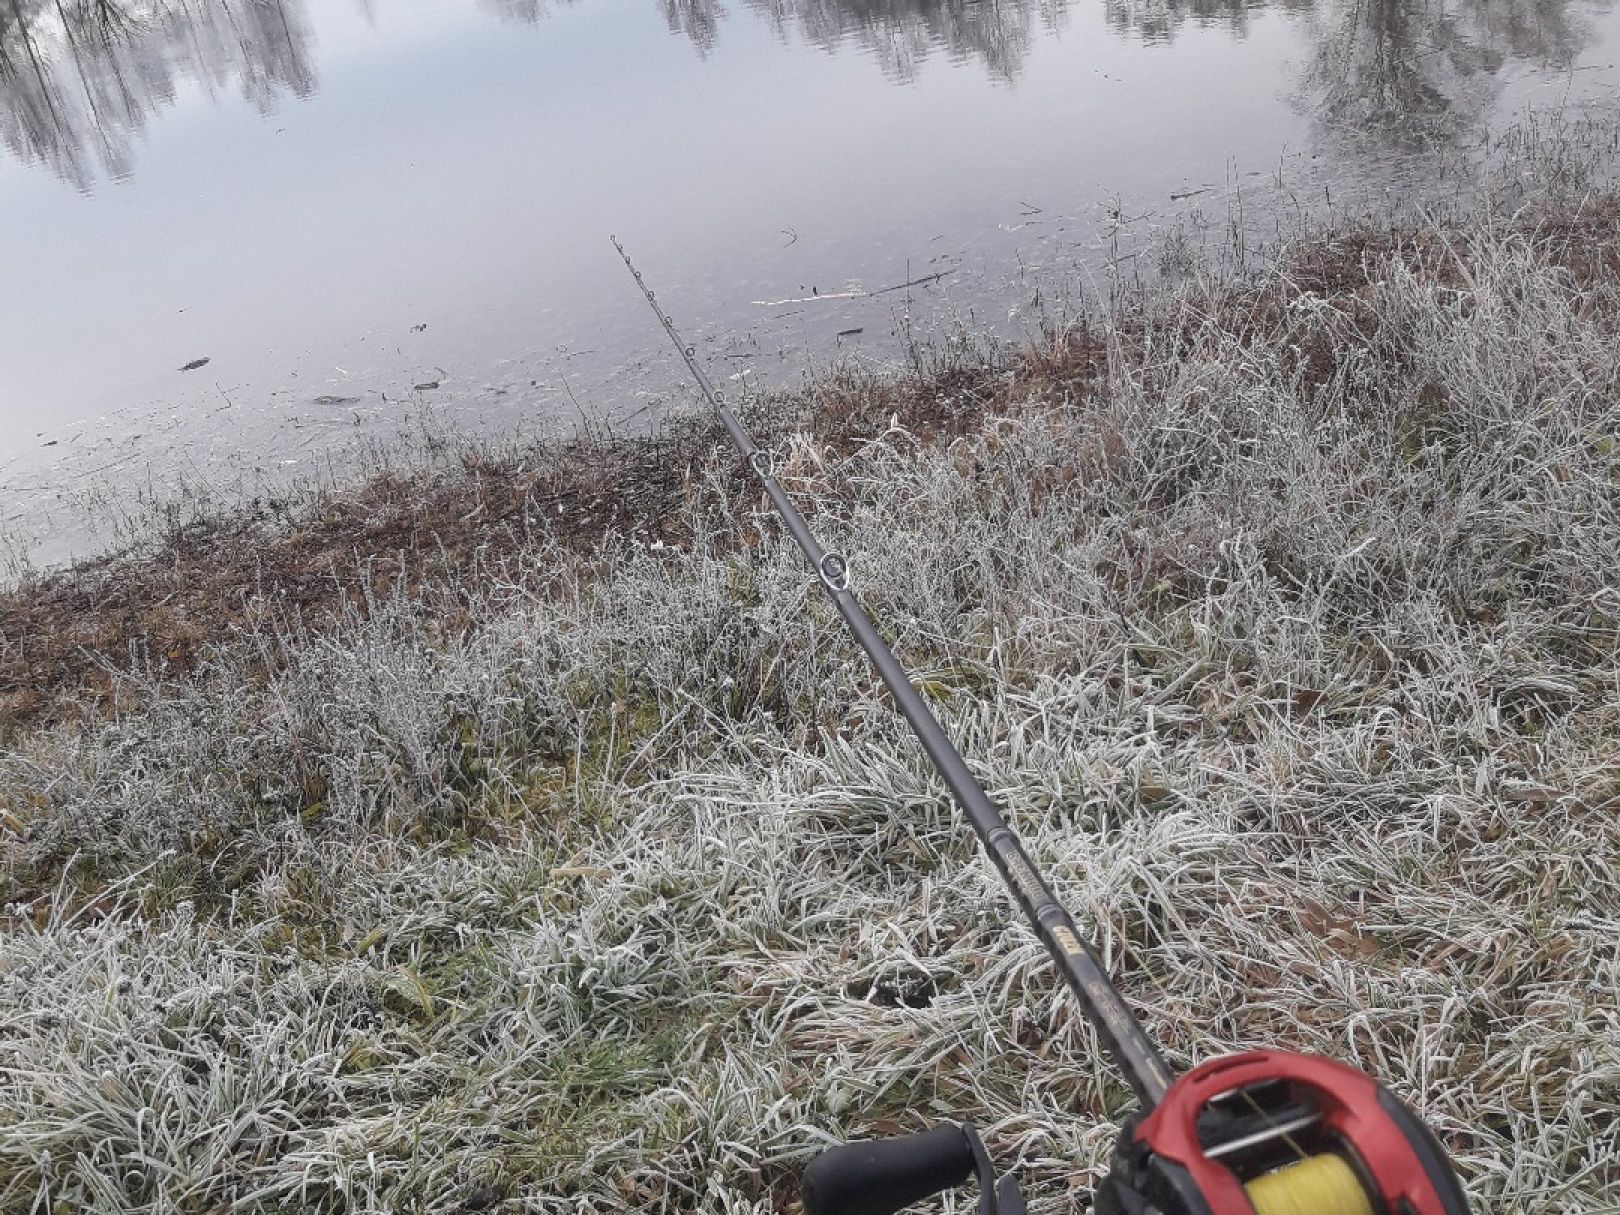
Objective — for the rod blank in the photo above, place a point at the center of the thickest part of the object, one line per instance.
(1122, 1035)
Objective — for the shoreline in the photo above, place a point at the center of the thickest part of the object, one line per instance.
(435, 522)
(429, 524)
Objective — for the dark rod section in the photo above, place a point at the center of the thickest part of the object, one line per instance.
(1131, 1049)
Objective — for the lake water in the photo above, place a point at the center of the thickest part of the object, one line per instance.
(362, 213)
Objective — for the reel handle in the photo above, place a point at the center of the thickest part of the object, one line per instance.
(881, 1176)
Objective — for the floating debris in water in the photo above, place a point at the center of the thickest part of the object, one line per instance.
(194, 364)
(425, 386)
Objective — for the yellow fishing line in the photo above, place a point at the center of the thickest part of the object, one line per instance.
(1318, 1185)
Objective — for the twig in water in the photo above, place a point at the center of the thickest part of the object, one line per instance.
(857, 294)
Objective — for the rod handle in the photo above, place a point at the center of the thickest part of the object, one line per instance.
(881, 1176)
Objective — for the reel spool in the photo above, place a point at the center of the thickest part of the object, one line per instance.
(1274, 1133)
(1317, 1185)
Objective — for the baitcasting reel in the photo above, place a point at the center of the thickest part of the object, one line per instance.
(1261, 1133)
(1274, 1133)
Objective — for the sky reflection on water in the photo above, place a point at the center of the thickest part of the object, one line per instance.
(338, 201)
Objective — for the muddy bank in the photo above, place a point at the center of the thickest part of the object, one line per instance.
(437, 525)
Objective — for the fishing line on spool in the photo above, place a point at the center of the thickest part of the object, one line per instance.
(1318, 1185)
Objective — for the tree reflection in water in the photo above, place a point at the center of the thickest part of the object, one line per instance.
(79, 79)
(529, 12)
(1414, 71)
(1404, 71)
(699, 20)
(900, 34)
(1396, 68)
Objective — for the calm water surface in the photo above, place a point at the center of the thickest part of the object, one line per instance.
(362, 211)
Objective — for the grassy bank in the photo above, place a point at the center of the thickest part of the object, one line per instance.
(570, 860)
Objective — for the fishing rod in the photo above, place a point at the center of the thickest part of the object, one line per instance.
(1263, 1132)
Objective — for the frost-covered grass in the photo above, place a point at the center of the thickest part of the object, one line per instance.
(1291, 645)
